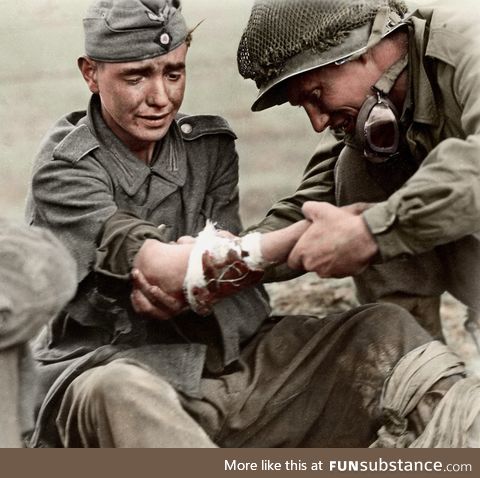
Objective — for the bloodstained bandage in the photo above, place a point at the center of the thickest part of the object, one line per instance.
(220, 266)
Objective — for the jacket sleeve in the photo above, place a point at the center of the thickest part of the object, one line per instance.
(73, 200)
(441, 202)
(317, 184)
(124, 233)
(122, 237)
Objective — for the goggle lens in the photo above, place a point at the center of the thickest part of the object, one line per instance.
(381, 130)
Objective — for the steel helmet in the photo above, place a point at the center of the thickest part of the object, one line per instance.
(284, 38)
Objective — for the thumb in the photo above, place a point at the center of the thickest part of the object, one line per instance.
(315, 210)
(357, 208)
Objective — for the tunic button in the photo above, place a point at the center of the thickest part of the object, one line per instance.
(186, 128)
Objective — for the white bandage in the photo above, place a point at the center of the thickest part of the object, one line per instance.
(219, 265)
(195, 278)
(252, 245)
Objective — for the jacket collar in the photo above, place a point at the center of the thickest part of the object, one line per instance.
(425, 108)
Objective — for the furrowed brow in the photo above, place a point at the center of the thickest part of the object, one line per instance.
(141, 71)
(180, 66)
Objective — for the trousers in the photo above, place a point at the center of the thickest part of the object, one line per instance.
(300, 382)
(10, 431)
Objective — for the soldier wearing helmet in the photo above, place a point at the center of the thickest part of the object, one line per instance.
(394, 96)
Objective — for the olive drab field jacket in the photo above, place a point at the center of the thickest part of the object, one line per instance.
(440, 203)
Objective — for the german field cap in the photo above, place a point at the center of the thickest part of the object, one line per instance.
(131, 30)
(285, 38)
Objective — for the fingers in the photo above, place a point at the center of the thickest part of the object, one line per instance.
(142, 306)
(303, 226)
(313, 210)
(295, 259)
(151, 301)
(357, 208)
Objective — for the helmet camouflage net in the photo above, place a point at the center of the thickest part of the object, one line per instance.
(280, 29)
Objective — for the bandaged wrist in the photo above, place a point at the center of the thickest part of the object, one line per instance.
(220, 266)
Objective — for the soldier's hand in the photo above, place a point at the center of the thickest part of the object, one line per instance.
(151, 301)
(337, 244)
(358, 207)
(158, 278)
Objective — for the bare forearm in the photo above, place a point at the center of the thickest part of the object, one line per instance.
(276, 245)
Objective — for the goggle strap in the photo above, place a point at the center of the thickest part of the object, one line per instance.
(388, 79)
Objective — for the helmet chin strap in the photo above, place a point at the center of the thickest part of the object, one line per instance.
(386, 82)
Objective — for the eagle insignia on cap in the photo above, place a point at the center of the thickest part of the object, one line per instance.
(155, 18)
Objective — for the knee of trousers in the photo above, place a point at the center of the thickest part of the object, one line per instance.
(119, 383)
(353, 183)
(391, 327)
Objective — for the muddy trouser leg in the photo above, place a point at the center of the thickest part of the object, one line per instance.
(308, 382)
(302, 381)
(123, 405)
(414, 283)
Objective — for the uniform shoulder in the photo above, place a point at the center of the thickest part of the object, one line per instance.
(71, 139)
(197, 126)
(77, 144)
(453, 32)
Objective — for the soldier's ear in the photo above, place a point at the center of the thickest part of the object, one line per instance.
(89, 70)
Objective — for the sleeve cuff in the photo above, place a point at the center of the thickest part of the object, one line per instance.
(123, 236)
(381, 223)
